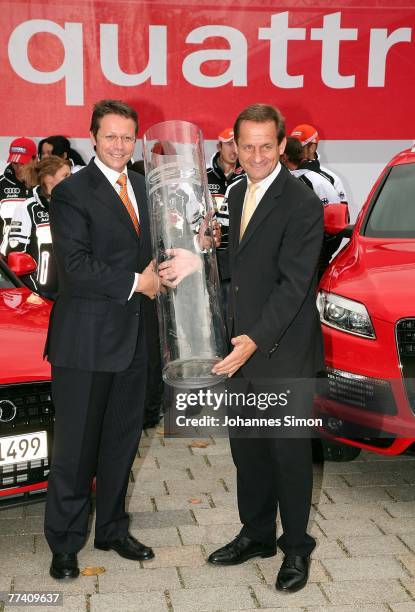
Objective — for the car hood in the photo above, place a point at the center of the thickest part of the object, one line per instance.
(24, 320)
(380, 274)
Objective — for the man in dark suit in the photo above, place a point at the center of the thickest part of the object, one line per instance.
(96, 342)
(275, 235)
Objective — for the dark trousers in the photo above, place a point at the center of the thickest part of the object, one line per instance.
(99, 418)
(274, 473)
(155, 385)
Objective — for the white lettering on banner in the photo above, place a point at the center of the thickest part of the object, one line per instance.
(156, 69)
(72, 67)
(237, 54)
(279, 34)
(331, 34)
(380, 44)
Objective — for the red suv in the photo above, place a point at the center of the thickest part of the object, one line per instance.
(26, 410)
(366, 301)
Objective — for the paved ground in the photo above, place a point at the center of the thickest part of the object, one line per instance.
(182, 501)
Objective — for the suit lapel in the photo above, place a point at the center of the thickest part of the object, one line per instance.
(268, 202)
(235, 213)
(141, 199)
(106, 194)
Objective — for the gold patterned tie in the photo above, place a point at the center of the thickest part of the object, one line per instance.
(122, 182)
(249, 208)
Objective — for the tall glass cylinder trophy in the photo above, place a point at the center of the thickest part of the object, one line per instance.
(192, 330)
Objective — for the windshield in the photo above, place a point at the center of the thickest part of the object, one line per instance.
(393, 215)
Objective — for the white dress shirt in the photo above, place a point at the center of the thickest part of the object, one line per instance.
(262, 186)
(112, 176)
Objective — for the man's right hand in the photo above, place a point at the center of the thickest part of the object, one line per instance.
(148, 282)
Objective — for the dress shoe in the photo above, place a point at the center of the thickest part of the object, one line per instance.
(240, 550)
(293, 574)
(64, 565)
(127, 547)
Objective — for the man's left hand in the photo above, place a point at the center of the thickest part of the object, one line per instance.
(243, 349)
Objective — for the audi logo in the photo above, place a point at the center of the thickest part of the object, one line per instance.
(7, 411)
(12, 190)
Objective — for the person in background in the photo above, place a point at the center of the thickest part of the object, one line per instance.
(308, 136)
(13, 188)
(293, 157)
(224, 171)
(30, 229)
(60, 146)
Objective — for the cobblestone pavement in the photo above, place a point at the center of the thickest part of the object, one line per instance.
(182, 502)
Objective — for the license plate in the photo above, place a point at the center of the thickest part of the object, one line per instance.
(26, 447)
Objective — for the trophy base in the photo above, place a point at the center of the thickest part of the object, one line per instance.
(192, 373)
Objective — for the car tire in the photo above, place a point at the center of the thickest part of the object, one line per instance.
(339, 452)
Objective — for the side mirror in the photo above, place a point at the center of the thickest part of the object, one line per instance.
(336, 218)
(21, 263)
(347, 232)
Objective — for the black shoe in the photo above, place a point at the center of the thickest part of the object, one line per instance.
(64, 565)
(293, 574)
(240, 550)
(127, 547)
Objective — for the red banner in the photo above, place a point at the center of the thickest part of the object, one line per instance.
(348, 70)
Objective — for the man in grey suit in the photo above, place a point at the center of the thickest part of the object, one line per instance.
(96, 342)
(275, 236)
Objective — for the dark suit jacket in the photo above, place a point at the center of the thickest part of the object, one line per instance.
(93, 325)
(273, 273)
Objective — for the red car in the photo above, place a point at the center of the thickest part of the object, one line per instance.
(26, 410)
(366, 301)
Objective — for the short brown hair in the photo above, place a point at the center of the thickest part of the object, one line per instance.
(294, 150)
(261, 113)
(35, 172)
(111, 107)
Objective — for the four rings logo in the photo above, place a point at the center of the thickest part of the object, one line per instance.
(7, 411)
(12, 190)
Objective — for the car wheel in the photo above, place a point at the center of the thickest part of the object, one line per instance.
(339, 452)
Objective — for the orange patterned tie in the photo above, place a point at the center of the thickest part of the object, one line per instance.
(122, 182)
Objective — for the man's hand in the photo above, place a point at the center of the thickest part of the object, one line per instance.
(217, 233)
(243, 349)
(148, 282)
(205, 233)
(182, 264)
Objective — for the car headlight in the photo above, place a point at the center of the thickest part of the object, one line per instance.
(344, 314)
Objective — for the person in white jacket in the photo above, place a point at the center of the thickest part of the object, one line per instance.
(308, 136)
(293, 158)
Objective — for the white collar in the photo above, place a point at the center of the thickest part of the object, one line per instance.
(266, 182)
(110, 174)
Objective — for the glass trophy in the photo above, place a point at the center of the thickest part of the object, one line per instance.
(192, 330)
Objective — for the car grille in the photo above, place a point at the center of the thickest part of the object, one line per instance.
(370, 394)
(34, 411)
(405, 339)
